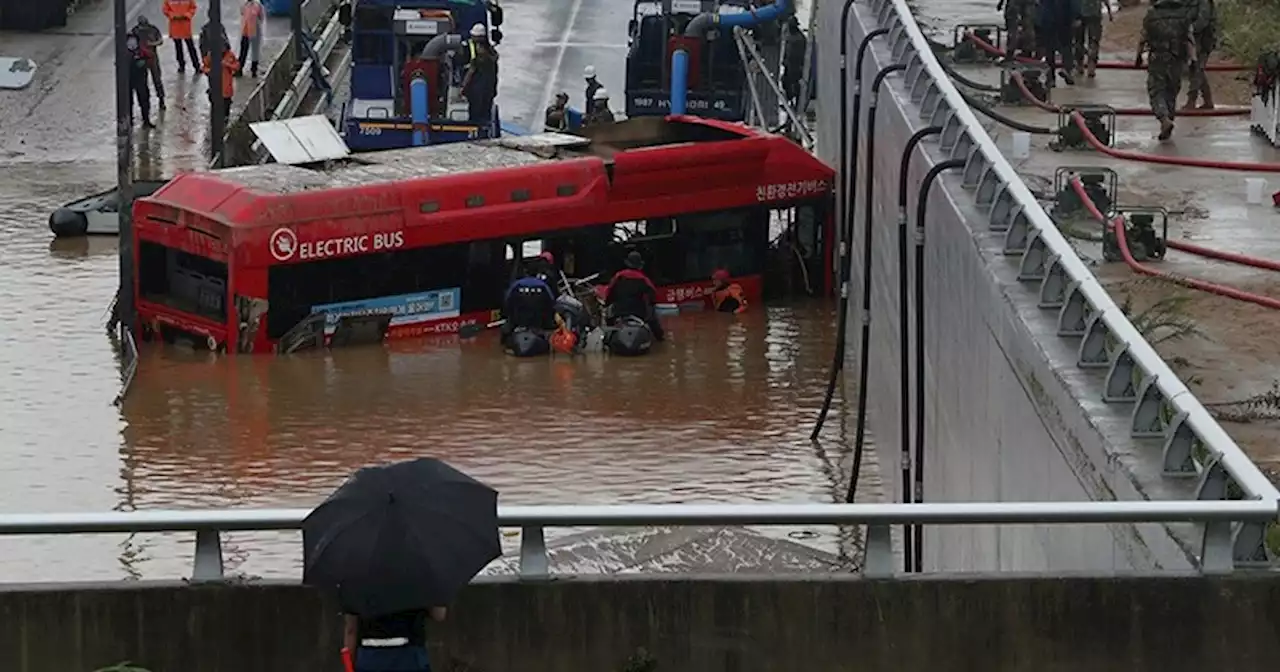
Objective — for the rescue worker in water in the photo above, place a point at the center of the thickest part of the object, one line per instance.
(632, 293)
(529, 304)
(727, 296)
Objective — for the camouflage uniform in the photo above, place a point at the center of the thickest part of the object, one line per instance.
(1204, 31)
(1019, 26)
(1166, 29)
(1089, 35)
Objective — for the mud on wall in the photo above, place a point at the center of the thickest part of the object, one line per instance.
(1009, 416)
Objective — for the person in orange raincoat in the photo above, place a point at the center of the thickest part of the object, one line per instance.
(230, 65)
(180, 14)
(727, 296)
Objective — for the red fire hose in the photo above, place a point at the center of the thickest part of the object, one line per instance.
(1103, 65)
(1117, 225)
(1128, 111)
(1245, 166)
(1189, 248)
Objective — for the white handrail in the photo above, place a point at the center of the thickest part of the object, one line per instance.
(1244, 472)
(1218, 553)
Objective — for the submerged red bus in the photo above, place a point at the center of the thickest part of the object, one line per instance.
(426, 238)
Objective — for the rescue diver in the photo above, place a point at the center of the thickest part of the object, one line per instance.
(632, 293)
(600, 112)
(480, 83)
(593, 85)
(557, 117)
(529, 304)
(727, 296)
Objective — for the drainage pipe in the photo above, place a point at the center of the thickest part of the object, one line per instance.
(922, 209)
(868, 256)
(418, 107)
(699, 26)
(904, 340)
(849, 171)
(1000, 118)
(1102, 65)
(1243, 166)
(1127, 111)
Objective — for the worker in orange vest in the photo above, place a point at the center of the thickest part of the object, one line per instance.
(229, 68)
(726, 295)
(180, 14)
(252, 17)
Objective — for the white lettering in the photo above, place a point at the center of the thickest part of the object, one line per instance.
(349, 245)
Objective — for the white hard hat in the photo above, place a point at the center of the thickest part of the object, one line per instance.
(589, 72)
(479, 30)
(600, 94)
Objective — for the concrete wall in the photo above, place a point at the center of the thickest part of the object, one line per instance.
(1009, 415)
(737, 624)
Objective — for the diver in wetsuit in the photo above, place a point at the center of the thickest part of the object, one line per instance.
(632, 293)
(529, 304)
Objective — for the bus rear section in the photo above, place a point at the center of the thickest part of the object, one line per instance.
(181, 276)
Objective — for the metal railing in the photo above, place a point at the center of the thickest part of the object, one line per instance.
(755, 64)
(128, 361)
(1193, 444)
(303, 79)
(1219, 552)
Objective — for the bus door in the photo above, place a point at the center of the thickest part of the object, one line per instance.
(800, 261)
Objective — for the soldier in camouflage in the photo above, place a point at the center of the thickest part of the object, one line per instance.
(1166, 38)
(1019, 26)
(1088, 36)
(1204, 33)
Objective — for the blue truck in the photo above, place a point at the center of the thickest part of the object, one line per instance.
(405, 86)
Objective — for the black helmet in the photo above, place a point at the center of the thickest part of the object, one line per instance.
(634, 260)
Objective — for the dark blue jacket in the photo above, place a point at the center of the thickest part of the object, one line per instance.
(530, 281)
(1057, 14)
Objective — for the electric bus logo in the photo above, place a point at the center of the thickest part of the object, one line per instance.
(284, 244)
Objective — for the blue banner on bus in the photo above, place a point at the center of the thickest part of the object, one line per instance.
(404, 309)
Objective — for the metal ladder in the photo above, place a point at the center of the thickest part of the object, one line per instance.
(764, 108)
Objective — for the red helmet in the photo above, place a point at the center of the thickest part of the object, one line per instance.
(721, 275)
(551, 259)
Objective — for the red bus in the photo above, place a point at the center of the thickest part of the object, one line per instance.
(425, 239)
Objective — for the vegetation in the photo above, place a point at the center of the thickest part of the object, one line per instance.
(1248, 28)
(1164, 321)
(126, 666)
(641, 661)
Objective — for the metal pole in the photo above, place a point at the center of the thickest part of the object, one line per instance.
(295, 25)
(218, 121)
(124, 162)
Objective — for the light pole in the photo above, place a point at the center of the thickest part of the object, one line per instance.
(217, 113)
(124, 161)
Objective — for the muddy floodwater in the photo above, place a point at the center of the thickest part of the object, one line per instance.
(721, 413)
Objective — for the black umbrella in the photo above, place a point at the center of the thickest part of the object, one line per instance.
(402, 536)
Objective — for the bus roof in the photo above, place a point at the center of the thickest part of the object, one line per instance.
(645, 157)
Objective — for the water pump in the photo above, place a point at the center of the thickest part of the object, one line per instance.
(1099, 119)
(965, 50)
(1034, 77)
(1144, 239)
(1099, 185)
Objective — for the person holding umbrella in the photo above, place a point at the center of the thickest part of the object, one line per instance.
(397, 543)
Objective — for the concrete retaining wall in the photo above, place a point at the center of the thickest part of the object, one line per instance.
(738, 624)
(1009, 415)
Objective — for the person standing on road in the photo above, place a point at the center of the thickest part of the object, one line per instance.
(589, 74)
(229, 68)
(252, 19)
(793, 61)
(1088, 37)
(1056, 21)
(1204, 33)
(138, 71)
(149, 41)
(1167, 39)
(1017, 25)
(180, 14)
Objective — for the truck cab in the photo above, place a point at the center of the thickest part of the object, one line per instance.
(717, 78)
(389, 44)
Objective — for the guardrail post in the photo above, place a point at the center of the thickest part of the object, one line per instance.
(533, 553)
(208, 565)
(878, 563)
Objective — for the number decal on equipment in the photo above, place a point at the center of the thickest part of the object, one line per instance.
(370, 130)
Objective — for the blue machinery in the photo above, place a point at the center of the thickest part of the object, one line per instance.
(697, 29)
(706, 75)
(404, 92)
